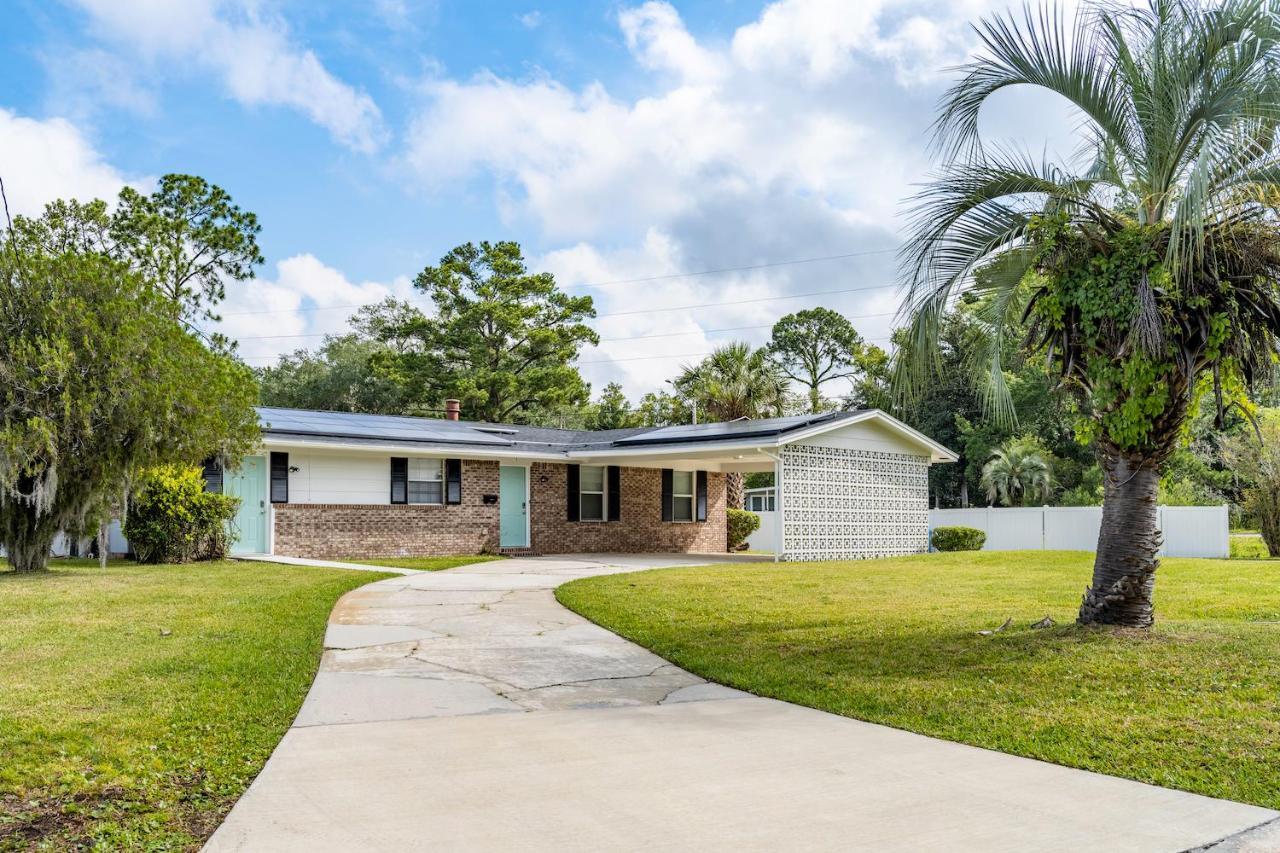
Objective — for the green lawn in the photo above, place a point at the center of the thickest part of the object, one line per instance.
(1193, 704)
(139, 702)
(426, 564)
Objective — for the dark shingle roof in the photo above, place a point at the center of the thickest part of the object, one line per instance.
(373, 429)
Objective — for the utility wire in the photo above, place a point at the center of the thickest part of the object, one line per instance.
(601, 284)
(602, 340)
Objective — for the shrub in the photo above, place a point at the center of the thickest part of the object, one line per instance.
(741, 525)
(173, 519)
(958, 538)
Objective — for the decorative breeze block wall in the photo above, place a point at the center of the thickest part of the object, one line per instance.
(840, 503)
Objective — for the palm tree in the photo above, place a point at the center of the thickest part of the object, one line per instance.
(1016, 473)
(735, 382)
(1144, 276)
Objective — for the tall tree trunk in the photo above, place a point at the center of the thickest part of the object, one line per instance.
(1125, 565)
(104, 542)
(733, 488)
(30, 553)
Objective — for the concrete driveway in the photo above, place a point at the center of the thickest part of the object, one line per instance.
(467, 710)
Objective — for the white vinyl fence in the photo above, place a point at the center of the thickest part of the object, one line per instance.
(762, 538)
(1189, 531)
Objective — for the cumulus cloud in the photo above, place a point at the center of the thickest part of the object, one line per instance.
(254, 54)
(797, 137)
(50, 159)
(293, 309)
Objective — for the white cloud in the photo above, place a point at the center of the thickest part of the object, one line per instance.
(303, 301)
(531, 19)
(50, 159)
(253, 53)
(797, 136)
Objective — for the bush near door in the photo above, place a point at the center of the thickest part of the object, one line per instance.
(173, 519)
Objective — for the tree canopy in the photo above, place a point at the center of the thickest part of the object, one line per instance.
(1142, 275)
(502, 340)
(735, 381)
(98, 380)
(817, 346)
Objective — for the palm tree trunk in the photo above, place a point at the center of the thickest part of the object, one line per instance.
(1125, 565)
(733, 488)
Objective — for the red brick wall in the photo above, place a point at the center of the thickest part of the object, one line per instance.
(394, 530)
(422, 530)
(641, 528)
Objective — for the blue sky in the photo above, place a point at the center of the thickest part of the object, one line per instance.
(614, 141)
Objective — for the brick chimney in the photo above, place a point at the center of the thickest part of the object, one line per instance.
(452, 410)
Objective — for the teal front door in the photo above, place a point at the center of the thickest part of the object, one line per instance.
(249, 484)
(513, 506)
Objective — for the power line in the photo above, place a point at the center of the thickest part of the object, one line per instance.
(608, 360)
(602, 340)
(735, 269)
(595, 284)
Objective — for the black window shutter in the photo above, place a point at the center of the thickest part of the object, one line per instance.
(212, 474)
(279, 477)
(571, 475)
(701, 497)
(668, 487)
(615, 493)
(399, 480)
(453, 481)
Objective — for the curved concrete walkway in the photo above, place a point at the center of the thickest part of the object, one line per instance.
(467, 710)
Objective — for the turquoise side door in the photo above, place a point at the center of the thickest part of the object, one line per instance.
(513, 506)
(249, 484)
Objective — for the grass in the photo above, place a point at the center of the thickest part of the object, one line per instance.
(1192, 704)
(1249, 548)
(426, 564)
(140, 701)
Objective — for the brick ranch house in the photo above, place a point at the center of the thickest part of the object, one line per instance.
(327, 484)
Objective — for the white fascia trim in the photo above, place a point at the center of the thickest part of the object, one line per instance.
(452, 452)
(938, 453)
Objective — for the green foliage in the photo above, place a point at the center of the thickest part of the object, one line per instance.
(734, 382)
(741, 525)
(1255, 459)
(613, 411)
(757, 480)
(957, 538)
(1018, 472)
(1147, 272)
(502, 340)
(950, 408)
(98, 382)
(658, 408)
(814, 347)
(185, 240)
(172, 519)
(340, 376)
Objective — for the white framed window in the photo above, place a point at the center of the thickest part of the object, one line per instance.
(682, 495)
(426, 481)
(591, 492)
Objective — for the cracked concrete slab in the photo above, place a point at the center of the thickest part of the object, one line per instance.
(357, 697)
(346, 636)
(468, 710)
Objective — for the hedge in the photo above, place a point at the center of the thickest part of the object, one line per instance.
(958, 538)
